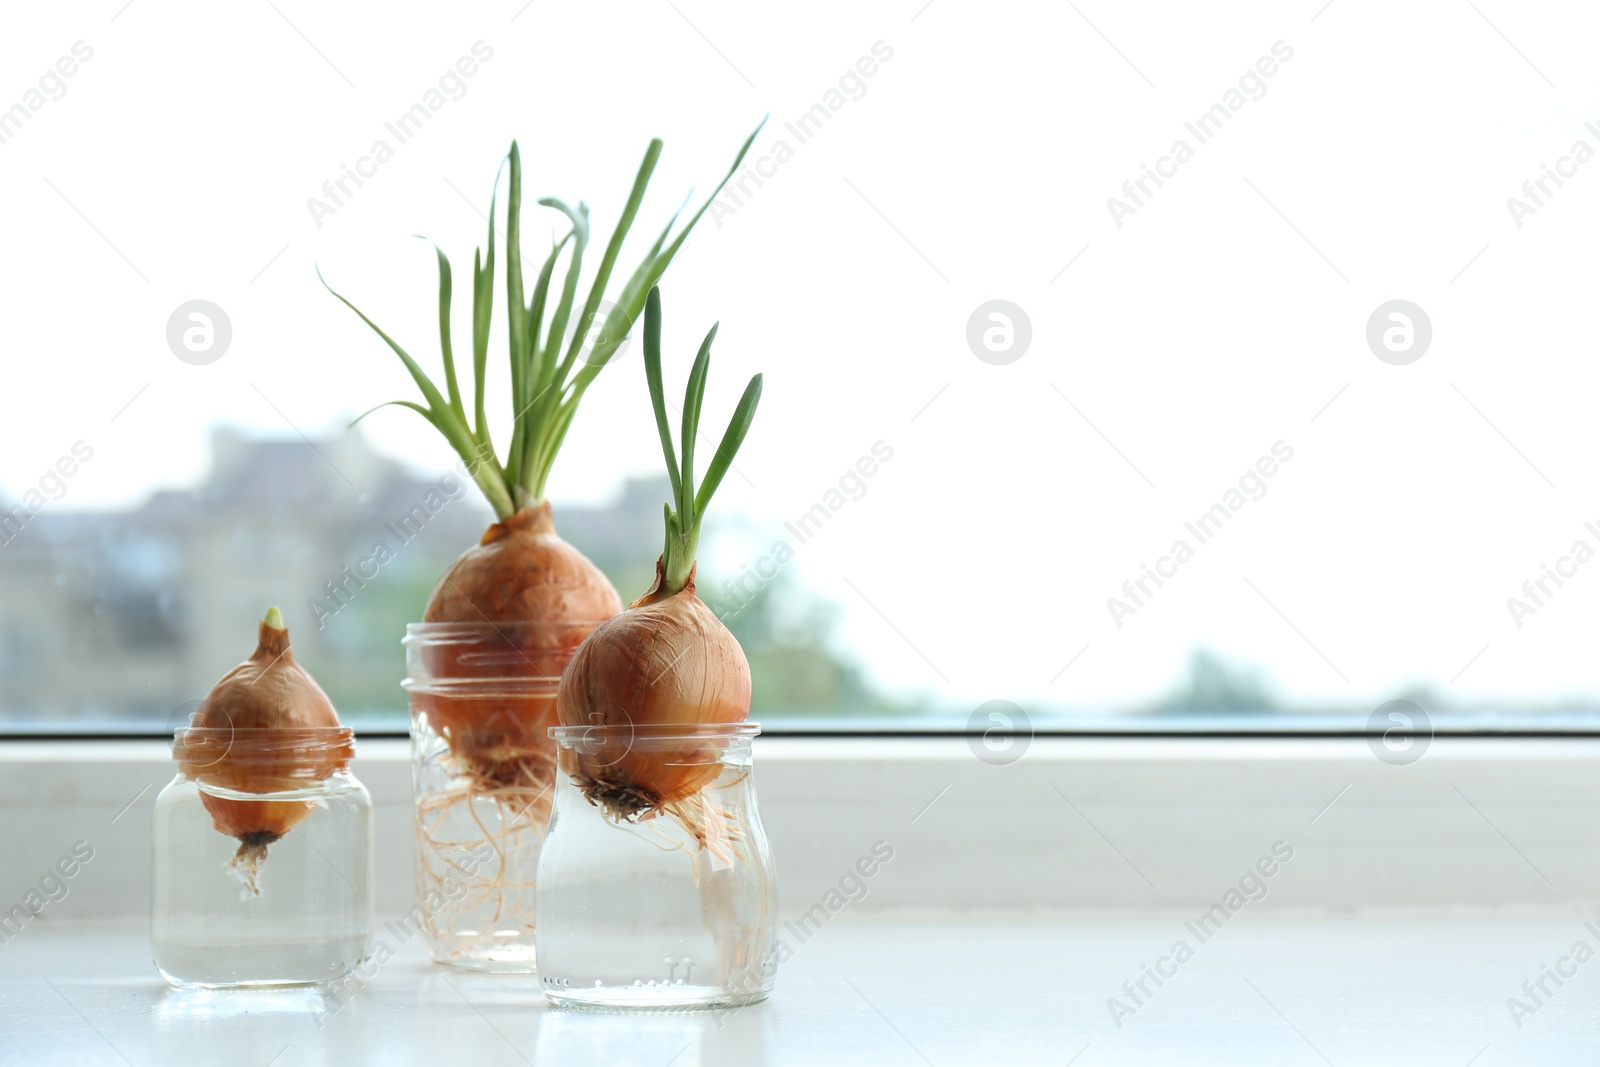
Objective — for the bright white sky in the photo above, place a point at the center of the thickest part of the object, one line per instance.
(1222, 317)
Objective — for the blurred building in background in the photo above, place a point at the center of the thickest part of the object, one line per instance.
(115, 619)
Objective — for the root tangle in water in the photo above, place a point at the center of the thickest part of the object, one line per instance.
(252, 853)
(476, 863)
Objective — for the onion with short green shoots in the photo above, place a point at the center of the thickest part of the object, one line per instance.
(668, 660)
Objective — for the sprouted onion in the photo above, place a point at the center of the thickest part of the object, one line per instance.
(265, 727)
(521, 571)
(667, 661)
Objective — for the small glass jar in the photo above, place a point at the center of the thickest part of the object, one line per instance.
(262, 888)
(656, 905)
(483, 697)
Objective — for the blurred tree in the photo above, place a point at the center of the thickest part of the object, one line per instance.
(1214, 685)
(788, 634)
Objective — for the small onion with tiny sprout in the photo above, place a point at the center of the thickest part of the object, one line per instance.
(668, 660)
(265, 727)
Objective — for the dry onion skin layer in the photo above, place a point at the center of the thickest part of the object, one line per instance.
(521, 572)
(266, 727)
(667, 661)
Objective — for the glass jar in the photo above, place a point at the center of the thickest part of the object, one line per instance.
(483, 697)
(261, 887)
(656, 904)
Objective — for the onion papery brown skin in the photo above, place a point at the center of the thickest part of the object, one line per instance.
(265, 727)
(666, 661)
(520, 572)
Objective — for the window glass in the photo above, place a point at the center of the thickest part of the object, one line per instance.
(1203, 372)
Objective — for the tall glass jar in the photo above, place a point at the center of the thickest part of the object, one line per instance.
(483, 698)
(664, 904)
(268, 887)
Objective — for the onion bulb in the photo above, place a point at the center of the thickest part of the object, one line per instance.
(667, 661)
(520, 572)
(265, 727)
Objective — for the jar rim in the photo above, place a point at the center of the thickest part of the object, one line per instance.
(431, 633)
(657, 731)
(283, 787)
(261, 734)
(295, 750)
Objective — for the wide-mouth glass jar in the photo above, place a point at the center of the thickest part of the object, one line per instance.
(483, 697)
(262, 859)
(655, 886)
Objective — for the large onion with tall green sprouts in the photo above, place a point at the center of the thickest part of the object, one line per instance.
(521, 571)
(667, 660)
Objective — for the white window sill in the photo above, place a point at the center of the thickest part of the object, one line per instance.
(1127, 826)
(871, 991)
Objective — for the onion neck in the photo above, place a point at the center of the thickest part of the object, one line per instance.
(532, 520)
(678, 559)
(659, 591)
(272, 641)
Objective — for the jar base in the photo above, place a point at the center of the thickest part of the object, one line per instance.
(187, 964)
(484, 965)
(266, 985)
(663, 998)
(485, 953)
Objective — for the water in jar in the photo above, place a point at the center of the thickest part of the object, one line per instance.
(642, 915)
(309, 922)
